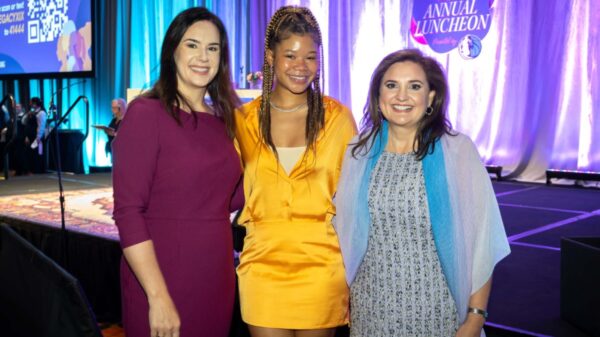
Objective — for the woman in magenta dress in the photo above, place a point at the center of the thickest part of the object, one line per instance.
(175, 175)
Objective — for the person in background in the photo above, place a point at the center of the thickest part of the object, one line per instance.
(6, 126)
(292, 140)
(418, 222)
(35, 131)
(4, 122)
(119, 108)
(16, 146)
(175, 174)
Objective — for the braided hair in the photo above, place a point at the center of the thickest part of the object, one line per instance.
(286, 21)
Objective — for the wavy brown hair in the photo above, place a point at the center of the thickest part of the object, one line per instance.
(221, 92)
(430, 128)
(286, 21)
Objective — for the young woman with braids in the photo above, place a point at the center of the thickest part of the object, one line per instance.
(417, 218)
(174, 176)
(292, 140)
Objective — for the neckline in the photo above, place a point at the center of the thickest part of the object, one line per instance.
(291, 147)
(399, 154)
(288, 110)
(197, 113)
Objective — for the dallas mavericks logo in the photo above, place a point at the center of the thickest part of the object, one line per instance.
(446, 25)
(469, 47)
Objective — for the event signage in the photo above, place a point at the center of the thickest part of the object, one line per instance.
(45, 38)
(446, 25)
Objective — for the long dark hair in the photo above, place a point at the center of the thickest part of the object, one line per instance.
(37, 102)
(221, 92)
(286, 21)
(431, 127)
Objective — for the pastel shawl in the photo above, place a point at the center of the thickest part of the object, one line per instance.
(466, 223)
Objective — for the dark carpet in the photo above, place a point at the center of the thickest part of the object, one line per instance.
(507, 186)
(559, 197)
(518, 219)
(585, 227)
(526, 288)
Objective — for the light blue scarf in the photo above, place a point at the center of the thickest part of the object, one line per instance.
(465, 218)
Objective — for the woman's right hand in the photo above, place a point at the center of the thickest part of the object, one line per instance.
(164, 318)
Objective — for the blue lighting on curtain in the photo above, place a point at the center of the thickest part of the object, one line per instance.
(530, 100)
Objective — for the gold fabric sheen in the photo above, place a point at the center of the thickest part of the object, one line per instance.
(291, 273)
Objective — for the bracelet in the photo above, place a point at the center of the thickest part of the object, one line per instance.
(478, 311)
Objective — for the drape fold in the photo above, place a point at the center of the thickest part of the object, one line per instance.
(530, 100)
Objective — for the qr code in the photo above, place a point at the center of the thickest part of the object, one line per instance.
(46, 19)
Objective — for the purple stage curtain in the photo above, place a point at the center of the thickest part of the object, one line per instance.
(530, 101)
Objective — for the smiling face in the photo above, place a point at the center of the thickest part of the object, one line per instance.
(404, 95)
(197, 58)
(295, 63)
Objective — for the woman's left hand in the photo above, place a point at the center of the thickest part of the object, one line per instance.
(471, 327)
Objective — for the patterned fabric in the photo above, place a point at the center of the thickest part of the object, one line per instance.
(87, 211)
(400, 276)
(465, 218)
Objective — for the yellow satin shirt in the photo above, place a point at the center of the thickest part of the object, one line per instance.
(291, 273)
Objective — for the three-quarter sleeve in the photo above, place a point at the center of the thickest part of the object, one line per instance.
(135, 153)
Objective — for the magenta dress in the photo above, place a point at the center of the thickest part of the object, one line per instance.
(175, 185)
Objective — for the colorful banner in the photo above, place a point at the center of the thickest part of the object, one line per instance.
(446, 25)
(45, 36)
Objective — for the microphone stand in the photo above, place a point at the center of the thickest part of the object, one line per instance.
(57, 157)
(61, 198)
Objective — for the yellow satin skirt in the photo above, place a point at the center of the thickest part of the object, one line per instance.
(291, 276)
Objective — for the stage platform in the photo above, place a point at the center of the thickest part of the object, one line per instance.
(88, 202)
(30, 205)
(525, 296)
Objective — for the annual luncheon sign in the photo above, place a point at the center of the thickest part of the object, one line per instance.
(445, 25)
